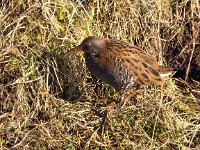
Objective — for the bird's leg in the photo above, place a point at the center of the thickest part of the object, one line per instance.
(126, 97)
(111, 110)
(145, 89)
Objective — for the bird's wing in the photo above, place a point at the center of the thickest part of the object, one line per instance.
(145, 72)
(141, 65)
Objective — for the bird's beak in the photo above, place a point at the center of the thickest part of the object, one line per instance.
(77, 48)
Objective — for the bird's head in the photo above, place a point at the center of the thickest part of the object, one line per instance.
(91, 45)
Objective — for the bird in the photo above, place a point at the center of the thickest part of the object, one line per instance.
(120, 64)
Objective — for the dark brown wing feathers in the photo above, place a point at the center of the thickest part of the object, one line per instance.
(138, 62)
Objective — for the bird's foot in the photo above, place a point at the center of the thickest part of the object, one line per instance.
(126, 98)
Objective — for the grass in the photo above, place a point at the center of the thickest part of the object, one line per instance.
(49, 100)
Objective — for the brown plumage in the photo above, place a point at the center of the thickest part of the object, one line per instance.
(120, 64)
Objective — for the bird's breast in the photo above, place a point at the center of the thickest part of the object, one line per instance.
(115, 66)
(98, 69)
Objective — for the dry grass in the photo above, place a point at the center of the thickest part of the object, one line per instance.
(48, 100)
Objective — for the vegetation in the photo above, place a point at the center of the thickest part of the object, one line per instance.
(49, 100)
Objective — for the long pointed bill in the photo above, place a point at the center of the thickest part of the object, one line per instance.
(75, 49)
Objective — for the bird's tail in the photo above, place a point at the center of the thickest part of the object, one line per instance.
(165, 71)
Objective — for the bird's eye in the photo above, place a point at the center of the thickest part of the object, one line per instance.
(88, 45)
